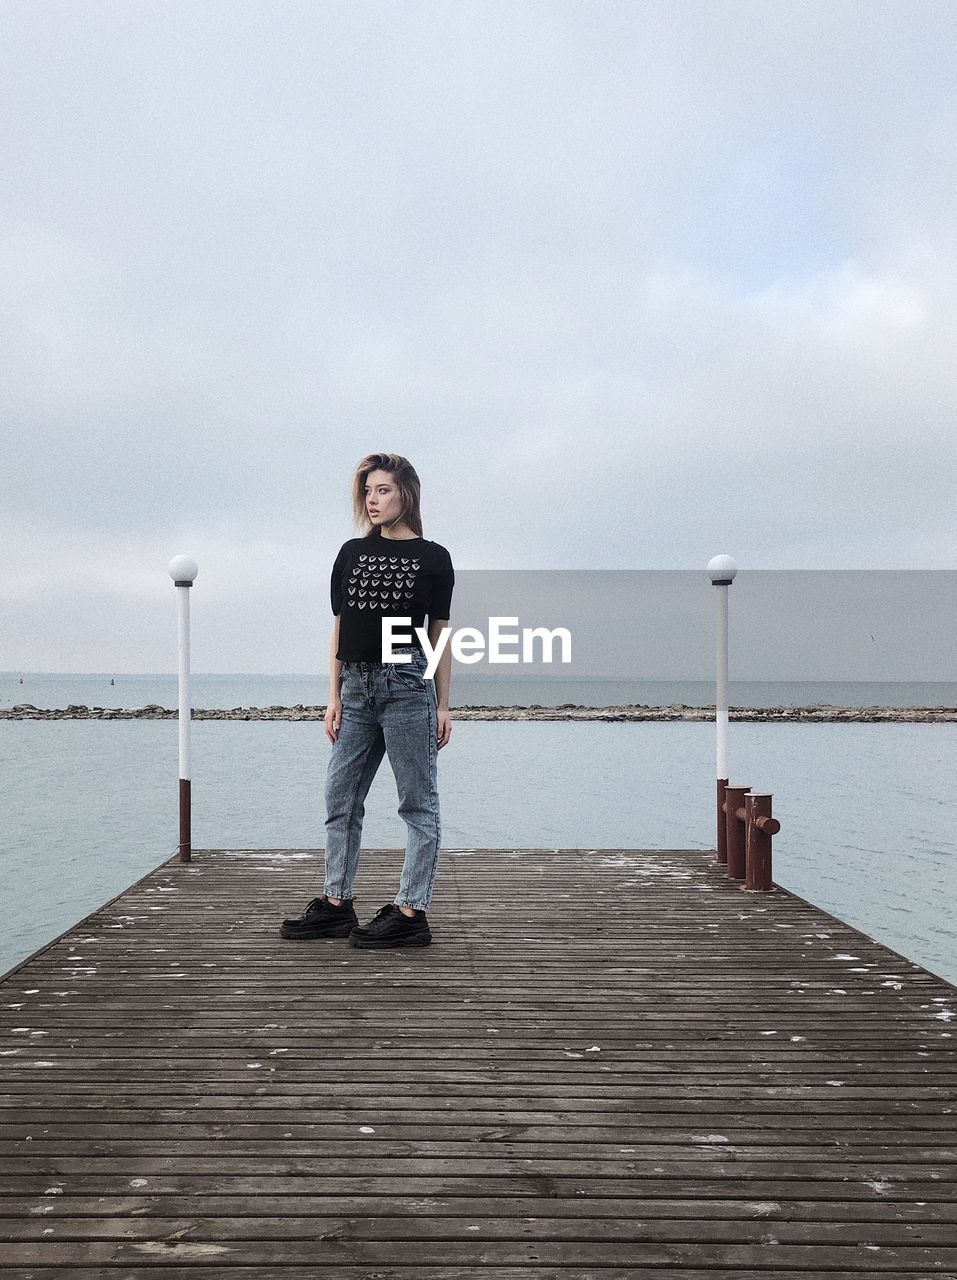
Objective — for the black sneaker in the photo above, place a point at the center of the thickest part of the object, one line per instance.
(322, 920)
(390, 927)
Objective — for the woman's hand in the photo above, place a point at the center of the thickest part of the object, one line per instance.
(333, 717)
(445, 728)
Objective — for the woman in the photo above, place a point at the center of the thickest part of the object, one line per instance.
(389, 572)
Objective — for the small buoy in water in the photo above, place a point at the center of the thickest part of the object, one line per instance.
(111, 679)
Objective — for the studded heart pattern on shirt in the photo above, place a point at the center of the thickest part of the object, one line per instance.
(383, 582)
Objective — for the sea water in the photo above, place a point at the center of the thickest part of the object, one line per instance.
(228, 691)
(868, 811)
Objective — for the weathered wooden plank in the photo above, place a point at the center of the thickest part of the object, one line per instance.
(552, 1126)
(32, 1085)
(479, 1252)
(590, 1107)
(870, 1166)
(143, 1270)
(700, 1210)
(718, 1093)
(888, 1189)
(229, 1072)
(566, 1066)
(826, 1160)
(631, 1227)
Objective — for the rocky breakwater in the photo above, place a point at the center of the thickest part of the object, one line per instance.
(814, 714)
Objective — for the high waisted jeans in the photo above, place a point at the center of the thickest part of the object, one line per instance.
(385, 708)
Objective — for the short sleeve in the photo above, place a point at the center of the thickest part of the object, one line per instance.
(443, 583)
(335, 586)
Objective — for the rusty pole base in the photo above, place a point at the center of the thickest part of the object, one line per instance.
(760, 826)
(185, 834)
(722, 842)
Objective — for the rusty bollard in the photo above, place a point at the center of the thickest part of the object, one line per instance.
(759, 828)
(734, 827)
(722, 824)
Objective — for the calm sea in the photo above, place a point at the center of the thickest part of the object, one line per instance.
(49, 690)
(868, 811)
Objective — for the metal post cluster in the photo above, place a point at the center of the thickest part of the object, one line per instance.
(744, 822)
(748, 826)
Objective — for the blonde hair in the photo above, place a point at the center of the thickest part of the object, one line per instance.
(406, 479)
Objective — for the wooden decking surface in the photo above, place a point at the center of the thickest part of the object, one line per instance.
(609, 1064)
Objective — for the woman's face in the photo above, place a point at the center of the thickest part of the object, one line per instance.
(383, 500)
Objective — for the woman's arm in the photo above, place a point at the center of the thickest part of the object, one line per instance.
(442, 677)
(335, 666)
(333, 716)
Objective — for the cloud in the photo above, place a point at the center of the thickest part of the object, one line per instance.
(629, 284)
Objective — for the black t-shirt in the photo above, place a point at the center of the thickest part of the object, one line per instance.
(375, 577)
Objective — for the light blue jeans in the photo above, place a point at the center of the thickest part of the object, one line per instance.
(385, 708)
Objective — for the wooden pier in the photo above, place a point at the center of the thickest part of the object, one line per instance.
(610, 1063)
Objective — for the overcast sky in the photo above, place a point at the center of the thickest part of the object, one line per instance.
(631, 284)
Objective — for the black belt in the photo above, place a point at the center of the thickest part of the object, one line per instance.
(371, 665)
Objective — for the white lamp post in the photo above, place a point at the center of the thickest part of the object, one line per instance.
(722, 570)
(183, 571)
